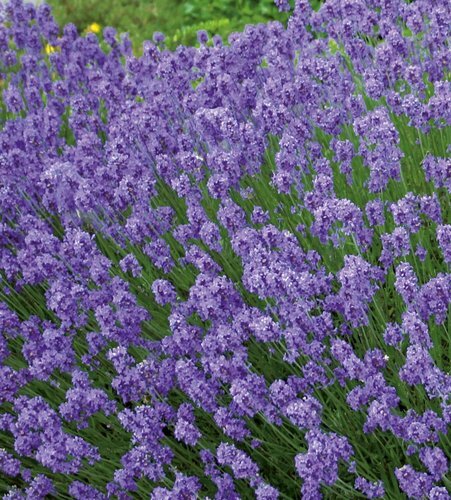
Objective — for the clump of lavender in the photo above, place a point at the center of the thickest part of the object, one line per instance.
(224, 270)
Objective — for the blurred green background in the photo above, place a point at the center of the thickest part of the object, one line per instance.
(179, 20)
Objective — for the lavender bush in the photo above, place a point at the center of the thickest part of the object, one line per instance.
(225, 269)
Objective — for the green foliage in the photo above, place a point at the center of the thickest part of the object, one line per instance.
(179, 20)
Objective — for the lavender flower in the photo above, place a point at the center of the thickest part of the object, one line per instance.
(185, 430)
(242, 466)
(320, 463)
(370, 489)
(444, 240)
(414, 484)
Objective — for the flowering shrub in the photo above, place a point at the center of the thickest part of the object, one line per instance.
(224, 270)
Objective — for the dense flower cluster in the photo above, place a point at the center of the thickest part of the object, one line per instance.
(224, 270)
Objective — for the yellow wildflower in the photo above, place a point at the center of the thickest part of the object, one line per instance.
(94, 28)
(50, 49)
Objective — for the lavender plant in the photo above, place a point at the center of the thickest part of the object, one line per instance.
(225, 269)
